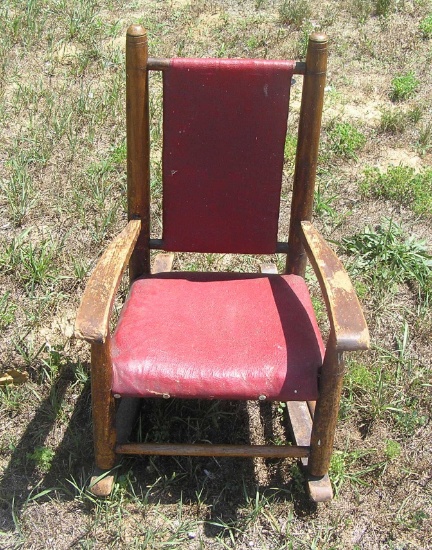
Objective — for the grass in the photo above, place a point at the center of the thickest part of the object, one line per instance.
(404, 86)
(345, 139)
(385, 256)
(402, 185)
(395, 121)
(425, 27)
(63, 197)
(294, 12)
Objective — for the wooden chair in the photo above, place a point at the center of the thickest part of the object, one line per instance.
(220, 335)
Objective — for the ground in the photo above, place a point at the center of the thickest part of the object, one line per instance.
(62, 198)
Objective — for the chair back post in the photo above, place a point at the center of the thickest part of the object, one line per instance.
(307, 149)
(138, 145)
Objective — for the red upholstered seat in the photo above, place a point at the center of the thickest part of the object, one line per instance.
(217, 335)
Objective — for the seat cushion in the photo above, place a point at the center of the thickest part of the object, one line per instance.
(217, 336)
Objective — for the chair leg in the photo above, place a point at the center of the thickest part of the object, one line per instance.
(103, 408)
(326, 411)
(300, 421)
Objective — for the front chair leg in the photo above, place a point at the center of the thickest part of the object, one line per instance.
(103, 409)
(326, 411)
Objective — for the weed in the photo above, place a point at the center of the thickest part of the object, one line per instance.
(392, 449)
(395, 121)
(7, 310)
(323, 201)
(290, 148)
(401, 184)
(345, 140)
(403, 87)
(42, 457)
(303, 40)
(29, 351)
(294, 12)
(18, 191)
(425, 138)
(408, 418)
(425, 27)
(39, 262)
(385, 256)
(383, 8)
(347, 466)
(361, 9)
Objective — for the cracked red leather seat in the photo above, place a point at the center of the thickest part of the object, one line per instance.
(218, 336)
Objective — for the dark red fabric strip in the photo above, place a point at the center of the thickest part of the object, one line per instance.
(224, 133)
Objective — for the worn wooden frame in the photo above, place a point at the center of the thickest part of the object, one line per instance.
(312, 424)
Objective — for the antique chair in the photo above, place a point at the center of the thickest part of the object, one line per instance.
(220, 335)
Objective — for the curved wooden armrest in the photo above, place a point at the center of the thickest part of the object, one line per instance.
(92, 321)
(345, 314)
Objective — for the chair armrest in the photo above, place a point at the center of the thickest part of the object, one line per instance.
(92, 321)
(345, 314)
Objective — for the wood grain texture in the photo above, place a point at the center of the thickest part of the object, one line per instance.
(163, 64)
(345, 313)
(319, 488)
(307, 149)
(326, 410)
(92, 321)
(103, 405)
(266, 451)
(300, 424)
(163, 263)
(138, 145)
(268, 268)
(101, 483)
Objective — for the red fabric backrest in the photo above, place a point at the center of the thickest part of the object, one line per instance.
(224, 132)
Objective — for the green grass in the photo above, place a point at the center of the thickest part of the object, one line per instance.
(396, 121)
(402, 185)
(63, 197)
(383, 8)
(345, 140)
(385, 256)
(425, 27)
(294, 12)
(404, 86)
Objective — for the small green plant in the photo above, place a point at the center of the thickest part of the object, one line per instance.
(425, 138)
(294, 12)
(353, 467)
(383, 8)
(401, 184)
(323, 201)
(303, 41)
(384, 256)
(42, 456)
(345, 140)
(403, 87)
(7, 310)
(39, 262)
(18, 191)
(426, 27)
(396, 121)
(290, 148)
(361, 9)
(392, 449)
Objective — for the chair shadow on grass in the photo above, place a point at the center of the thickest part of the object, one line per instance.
(224, 485)
(22, 478)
